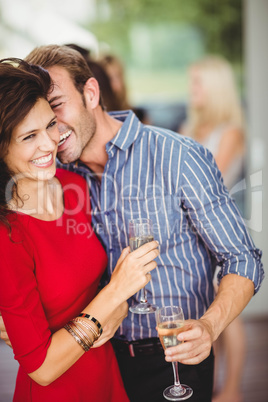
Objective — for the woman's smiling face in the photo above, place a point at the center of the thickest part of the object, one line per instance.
(33, 147)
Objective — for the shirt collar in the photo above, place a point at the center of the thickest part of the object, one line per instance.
(125, 136)
(128, 132)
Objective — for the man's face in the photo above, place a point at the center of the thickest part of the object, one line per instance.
(76, 123)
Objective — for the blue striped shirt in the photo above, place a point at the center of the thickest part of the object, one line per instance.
(156, 173)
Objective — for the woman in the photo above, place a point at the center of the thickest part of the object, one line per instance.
(215, 119)
(114, 69)
(51, 260)
(215, 116)
(116, 73)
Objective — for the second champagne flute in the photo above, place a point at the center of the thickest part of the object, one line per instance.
(141, 232)
(170, 322)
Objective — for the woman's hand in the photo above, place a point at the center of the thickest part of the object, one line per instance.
(115, 320)
(132, 271)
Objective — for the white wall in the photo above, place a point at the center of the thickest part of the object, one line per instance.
(256, 64)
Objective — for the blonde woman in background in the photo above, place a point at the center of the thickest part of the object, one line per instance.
(215, 120)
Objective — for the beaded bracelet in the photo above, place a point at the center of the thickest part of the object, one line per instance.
(93, 319)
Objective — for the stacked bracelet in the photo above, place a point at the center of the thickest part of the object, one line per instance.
(88, 326)
(84, 335)
(75, 328)
(81, 339)
(93, 319)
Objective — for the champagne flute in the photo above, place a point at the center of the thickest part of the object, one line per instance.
(141, 232)
(170, 322)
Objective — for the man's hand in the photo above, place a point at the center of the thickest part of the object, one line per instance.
(112, 325)
(233, 295)
(3, 333)
(196, 346)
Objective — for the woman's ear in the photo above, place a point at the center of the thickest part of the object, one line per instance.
(92, 92)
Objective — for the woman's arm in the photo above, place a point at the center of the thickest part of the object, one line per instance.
(231, 145)
(129, 276)
(112, 325)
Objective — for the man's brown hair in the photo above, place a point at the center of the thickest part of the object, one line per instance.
(66, 57)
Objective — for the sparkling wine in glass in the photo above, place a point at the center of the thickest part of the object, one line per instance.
(141, 232)
(170, 322)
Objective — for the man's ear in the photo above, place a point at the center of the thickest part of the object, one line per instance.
(92, 92)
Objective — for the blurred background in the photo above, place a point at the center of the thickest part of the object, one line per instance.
(156, 42)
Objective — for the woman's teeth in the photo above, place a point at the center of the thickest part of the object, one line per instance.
(43, 160)
(63, 137)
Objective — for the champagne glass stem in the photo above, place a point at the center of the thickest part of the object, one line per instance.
(178, 388)
(143, 298)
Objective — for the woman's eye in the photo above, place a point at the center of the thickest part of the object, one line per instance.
(52, 124)
(28, 137)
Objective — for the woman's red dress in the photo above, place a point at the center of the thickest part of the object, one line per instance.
(49, 272)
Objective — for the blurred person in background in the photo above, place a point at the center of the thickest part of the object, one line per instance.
(115, 70)
(215, 119)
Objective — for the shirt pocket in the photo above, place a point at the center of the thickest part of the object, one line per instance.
(163, 209)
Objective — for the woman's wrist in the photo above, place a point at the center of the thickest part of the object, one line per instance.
(104, 304)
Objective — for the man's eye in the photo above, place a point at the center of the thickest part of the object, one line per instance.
(55, 105)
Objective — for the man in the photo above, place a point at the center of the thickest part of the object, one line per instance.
(142, 171)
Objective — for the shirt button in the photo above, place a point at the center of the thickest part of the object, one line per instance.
(106, 213)
(111, 249)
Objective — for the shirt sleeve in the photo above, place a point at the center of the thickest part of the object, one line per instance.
(216, 218)
(20, 303)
